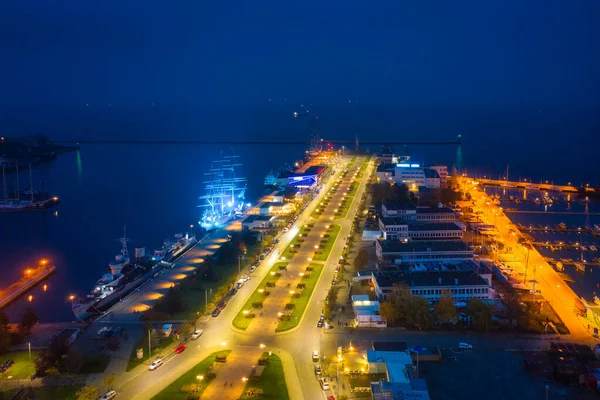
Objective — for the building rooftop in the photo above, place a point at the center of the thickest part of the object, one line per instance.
(386, 168)
(434, 210)
(398, 206)
(253, 218)
(436, 226)
(418, 246)
(430, 173)
(416, 279)
(313, 170)
(392, 221)
(389, 346)
(378, 356)
(271, 204)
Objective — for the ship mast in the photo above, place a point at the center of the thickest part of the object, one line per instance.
(123, 240)
(4, 184)
(30, 183)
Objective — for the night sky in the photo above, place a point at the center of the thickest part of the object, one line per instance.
(485, 54)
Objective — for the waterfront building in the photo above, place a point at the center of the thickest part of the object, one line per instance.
(387, 155)
(442, 171)
(421, 251)
(386, 173)
(395, 228)
(257, 222)
(413, 175)
(463, 285)
(308, 178)
(406, 211)
(431, 178)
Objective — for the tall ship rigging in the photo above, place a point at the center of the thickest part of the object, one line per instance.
(30, 199)
(224, 193)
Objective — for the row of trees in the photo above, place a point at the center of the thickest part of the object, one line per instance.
(406, 309)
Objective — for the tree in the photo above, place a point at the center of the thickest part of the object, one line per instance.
(361, 259)
(444, 309)
(28, 319)
(417, 312)
(513, 306)
(71, 362)
(108, 381)
(87, 392)
(388, 312)
(5, 334)
(481, 313)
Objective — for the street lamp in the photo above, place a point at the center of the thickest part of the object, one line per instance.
(71, 297)
(528, 247)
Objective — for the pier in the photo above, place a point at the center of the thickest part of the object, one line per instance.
(549, 212)
(556, 229)
(19, 288)
(530, 185)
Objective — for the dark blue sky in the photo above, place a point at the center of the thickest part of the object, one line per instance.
(462, 53)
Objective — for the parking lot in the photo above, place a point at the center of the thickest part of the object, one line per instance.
(492, 375)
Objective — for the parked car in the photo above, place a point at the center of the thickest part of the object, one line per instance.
(109, 395)
(6, 365)
(324, 383)
(196, 334)
(179, 349)
(320, 324)
(315, 356)
(317, 369)
(216, 312)
(157, 363)
(252, 268)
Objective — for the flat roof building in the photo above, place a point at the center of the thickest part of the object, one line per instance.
(463, 285)
(252, 222)
(423, 251)
(395, 228)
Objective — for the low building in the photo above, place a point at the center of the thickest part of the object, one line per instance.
(394, 228)
(398, 367)
(463, 285)
(254, 222)
(387, 155)
(307, 179)
(386, 172)
(407, 211)
(410, 213)
(423, 251)
(442, 171)
(366, 312)
(431, 178)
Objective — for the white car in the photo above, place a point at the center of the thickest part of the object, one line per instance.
(465, 346)
(252, 268)
(315, 356)
(197, 334)
(157, 363)
(324, 383)
(109, 395)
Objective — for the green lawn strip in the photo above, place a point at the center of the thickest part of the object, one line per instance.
(95, 365)
(270, 384)
(328, 245)
(344, 210)
(302, 301)
(287, 253)
(362, 169)
(241, 321)
(174, 390)
(134, 361)
(22, 368)
(66, 392)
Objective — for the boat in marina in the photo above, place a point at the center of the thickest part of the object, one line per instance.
(125, 275)
(24, 200)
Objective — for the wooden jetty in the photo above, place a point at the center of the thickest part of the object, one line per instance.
(22, 286)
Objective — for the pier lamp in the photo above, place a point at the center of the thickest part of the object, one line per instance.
(43, 261)
(28, 272)
(71, 297)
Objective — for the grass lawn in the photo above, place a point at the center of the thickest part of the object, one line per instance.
(95, 365)
(240, 321)
(134, 362)
(22, 368)
(344, 210)
(52, 392)
(295, 241)
(335, 229)
(271, 382)
(173, 391)
(192, 291)
(362, 169)
(302, 301)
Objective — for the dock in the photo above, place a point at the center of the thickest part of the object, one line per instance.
(554, 229)
(530, 185)
(512, 211)
(22, 286)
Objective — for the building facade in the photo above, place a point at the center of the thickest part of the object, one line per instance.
(442, 171)
(463, 285)
(412, 252)
(394, 228)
